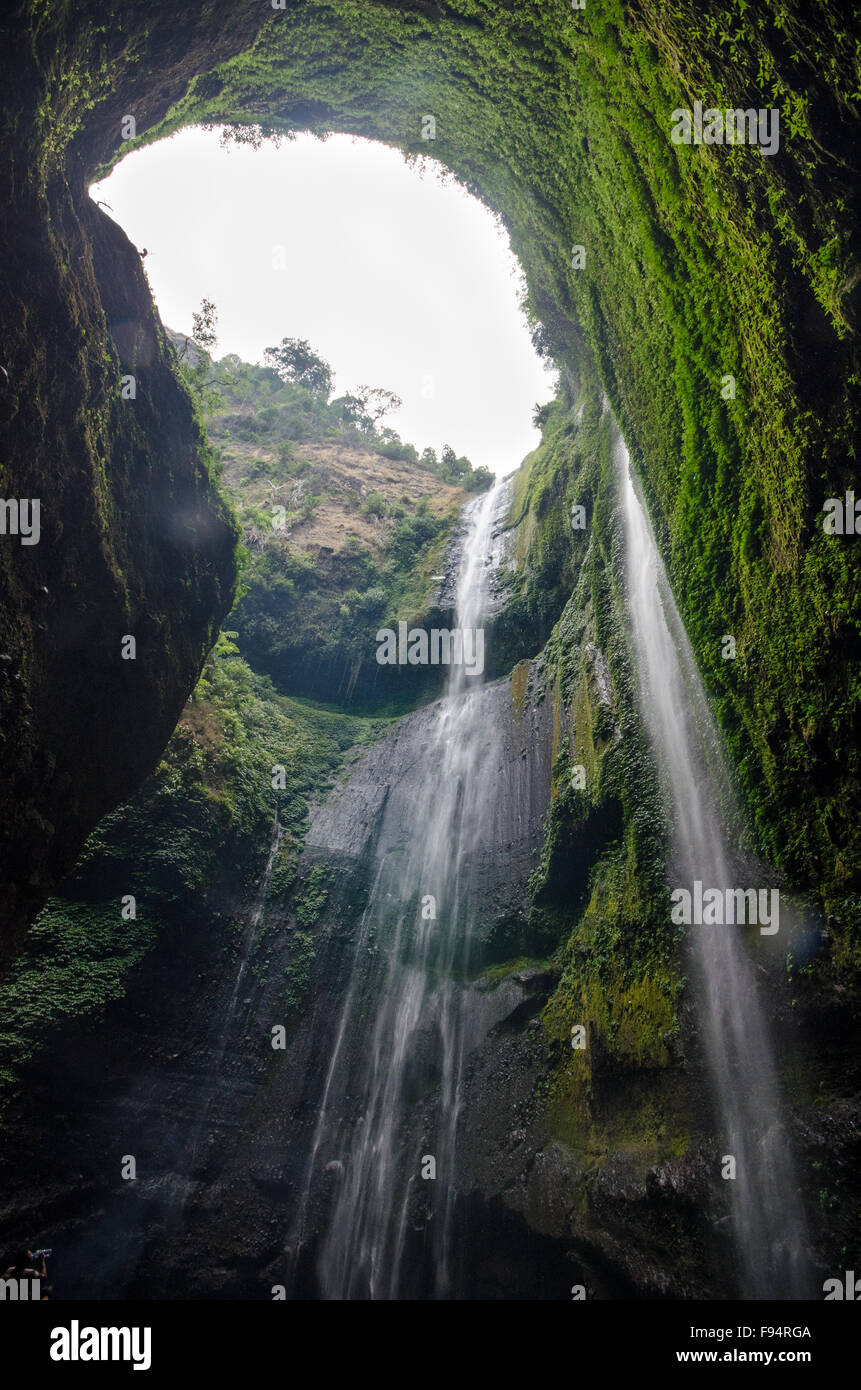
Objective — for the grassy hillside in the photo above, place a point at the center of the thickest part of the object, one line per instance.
(345, 527)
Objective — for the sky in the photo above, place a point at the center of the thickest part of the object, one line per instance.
(398, 278)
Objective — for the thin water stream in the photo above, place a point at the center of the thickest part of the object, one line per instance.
(767, 1217)
(406, 1015)
(376, 1178)
(403, 1014)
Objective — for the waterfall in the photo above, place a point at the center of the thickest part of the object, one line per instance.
(402, 1020)
(368, 1211)
(767, 1218)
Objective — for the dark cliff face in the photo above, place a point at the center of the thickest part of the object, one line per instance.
(221, 1124)
(133, 539)
(663, 318)
(195, 1089)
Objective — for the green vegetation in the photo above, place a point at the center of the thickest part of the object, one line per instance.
(717, 296)
(204, 816)
(295, 360)
(599, 893)
(311, 901)
(701, 263)
(75, 961)
(302, 953)
(344, 524)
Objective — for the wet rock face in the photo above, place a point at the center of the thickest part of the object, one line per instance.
(132, 541)
(367, 815)
(617, 1224)
(222, 1124)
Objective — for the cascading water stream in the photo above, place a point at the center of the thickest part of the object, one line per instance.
(228, 1013)
(406, 1014)
(402, 1033)
(767, 1217)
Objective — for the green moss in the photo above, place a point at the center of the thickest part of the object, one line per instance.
(700, 262)
(625, 992)
(311, 901)
(599, 895)
(205, 813)
(494, 975)
(302, 953)
(75, 961)
(519, 680)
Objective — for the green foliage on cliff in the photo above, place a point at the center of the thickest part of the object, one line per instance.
(75, 961)
(701, 263)
(303, 949)
(191, 843)
(310, 902)
(213, 791)
(344, 527)
(599, 890)
(312, 624)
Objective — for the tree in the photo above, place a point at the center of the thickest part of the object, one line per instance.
(350, 410)
(454, 469)
(204, 325)
(448, 459)
(377, 402)
(366, 406)
(295, 360)
(541, 414)
(195, 362)
(479, 480)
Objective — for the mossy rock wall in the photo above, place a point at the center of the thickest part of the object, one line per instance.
(701, 262)
(134, 537)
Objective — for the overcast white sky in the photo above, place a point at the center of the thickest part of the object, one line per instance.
(397, 279)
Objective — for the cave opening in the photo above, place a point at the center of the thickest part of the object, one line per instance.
(718, 295)
(391, 269)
